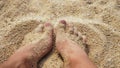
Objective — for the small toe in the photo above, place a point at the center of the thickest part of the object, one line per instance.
(79, 36)
(84, 39)
(70, 28)
(39, 28)
(75, 31)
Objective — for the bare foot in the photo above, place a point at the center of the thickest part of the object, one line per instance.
(28, 55)
(74, 56)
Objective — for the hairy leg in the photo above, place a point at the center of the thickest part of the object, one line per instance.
(28, 55)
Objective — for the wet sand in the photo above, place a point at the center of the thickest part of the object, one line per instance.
(99, 20)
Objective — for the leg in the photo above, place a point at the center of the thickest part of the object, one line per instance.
(28, 55)
(74, 56)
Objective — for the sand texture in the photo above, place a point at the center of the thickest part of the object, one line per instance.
(99, 20)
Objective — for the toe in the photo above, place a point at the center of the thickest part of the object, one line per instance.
(84, 39)
(48, 29)
(79, 36)
(75, 31)
(70, 28)
(39, 28)
(60, 30)
(48, 26)
(61, 25)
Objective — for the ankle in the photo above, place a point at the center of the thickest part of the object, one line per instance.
(11, 63)
(14, 61)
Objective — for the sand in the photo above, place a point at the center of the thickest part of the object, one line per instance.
(99, 20)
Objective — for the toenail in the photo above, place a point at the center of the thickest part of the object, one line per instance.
(63, 22)
(47, 24)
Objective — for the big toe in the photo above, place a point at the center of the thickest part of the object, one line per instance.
(61, 27)
(48, 29)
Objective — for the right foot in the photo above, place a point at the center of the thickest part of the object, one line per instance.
(71, 52)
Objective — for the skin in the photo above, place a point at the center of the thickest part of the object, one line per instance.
(74, 56)
(28, 55)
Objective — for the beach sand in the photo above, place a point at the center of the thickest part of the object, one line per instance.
(99, 20)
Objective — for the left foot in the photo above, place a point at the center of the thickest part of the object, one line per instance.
(28, 56)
